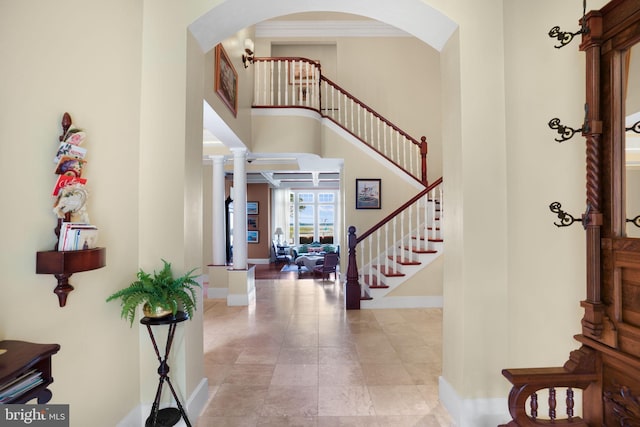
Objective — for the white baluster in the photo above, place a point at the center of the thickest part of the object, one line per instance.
(440, 190)
(386, 246)
(425, 230)
(397, 158)
(379, 261)
(395, 238)
(256, 86)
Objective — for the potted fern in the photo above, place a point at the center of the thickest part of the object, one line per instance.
(159, 293)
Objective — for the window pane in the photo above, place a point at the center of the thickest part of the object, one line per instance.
(326, 226)
(326, 198)
(305, 197)
(305, 223)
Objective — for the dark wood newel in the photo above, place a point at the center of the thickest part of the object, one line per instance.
(352, 290)
(423, 155)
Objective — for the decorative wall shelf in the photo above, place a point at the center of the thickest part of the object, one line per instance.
(75, 249)
(62, 264)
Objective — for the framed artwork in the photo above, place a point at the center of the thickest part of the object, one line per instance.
(302, 72)
(226, 80)
(252, 208)
(253, 236)
(368, 194)
(252, 222)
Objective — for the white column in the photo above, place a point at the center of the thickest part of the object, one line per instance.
(218, 212)
(239, 209)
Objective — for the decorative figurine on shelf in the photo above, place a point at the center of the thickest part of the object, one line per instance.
(72, 200)
(70, 191)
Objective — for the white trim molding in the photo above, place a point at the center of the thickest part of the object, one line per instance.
(360, 28)
(488, 412)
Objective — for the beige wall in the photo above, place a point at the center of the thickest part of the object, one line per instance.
(127, 88)
(398, 77)
(66, 57)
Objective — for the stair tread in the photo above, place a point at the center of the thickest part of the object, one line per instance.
(374, 282)
(388, 272)
(421, 251)
(405, 261)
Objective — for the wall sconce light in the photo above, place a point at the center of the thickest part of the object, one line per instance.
(247, 57)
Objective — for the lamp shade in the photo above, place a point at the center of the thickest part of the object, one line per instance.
(279, 231)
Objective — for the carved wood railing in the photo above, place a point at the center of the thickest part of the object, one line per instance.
(579, 372)
(298, 82)
(411, 229)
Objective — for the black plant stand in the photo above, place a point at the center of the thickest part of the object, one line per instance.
(166, 417)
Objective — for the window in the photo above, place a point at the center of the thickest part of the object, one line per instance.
(312, 216)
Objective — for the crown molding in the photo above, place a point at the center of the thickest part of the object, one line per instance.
(275, 29)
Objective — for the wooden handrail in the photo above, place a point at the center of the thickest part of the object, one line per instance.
(322, 106)
(374, 113)
(389, 217)
(578, 372)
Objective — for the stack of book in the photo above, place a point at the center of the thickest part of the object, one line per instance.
(20, 385)
(75, 236)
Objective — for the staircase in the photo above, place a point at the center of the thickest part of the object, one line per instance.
(400, 246)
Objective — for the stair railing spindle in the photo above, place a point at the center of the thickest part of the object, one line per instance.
(386, 247)
(552, 403)
(425, 227)
(570, 403)
(378, 259)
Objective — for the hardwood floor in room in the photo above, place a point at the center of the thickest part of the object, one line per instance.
(298, 358)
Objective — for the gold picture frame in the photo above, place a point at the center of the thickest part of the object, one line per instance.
(226, 80)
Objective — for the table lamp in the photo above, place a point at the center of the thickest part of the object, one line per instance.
(279, 233)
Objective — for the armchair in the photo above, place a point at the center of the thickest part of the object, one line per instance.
(328, 266)
(280, 253)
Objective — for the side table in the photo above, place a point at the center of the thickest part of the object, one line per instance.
(19, 358)
(168, 416)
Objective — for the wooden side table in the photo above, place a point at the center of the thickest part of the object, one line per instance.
(21, 357)
(168, 416)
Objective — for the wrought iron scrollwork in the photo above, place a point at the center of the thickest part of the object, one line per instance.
(565, 37)
(634, 127)
(566, 219)
(565, 132)
(635, 221)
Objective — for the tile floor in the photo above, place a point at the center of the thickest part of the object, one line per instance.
(297, 358)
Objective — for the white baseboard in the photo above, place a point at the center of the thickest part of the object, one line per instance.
(473, 412)
(217, 293)
(403, 302)
(241, 299)
(258, 261)
(194, 406)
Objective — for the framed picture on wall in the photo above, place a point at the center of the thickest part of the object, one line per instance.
(252, 222)
(368, 194)
(252, 208)
(226, 80)
(253, 236)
